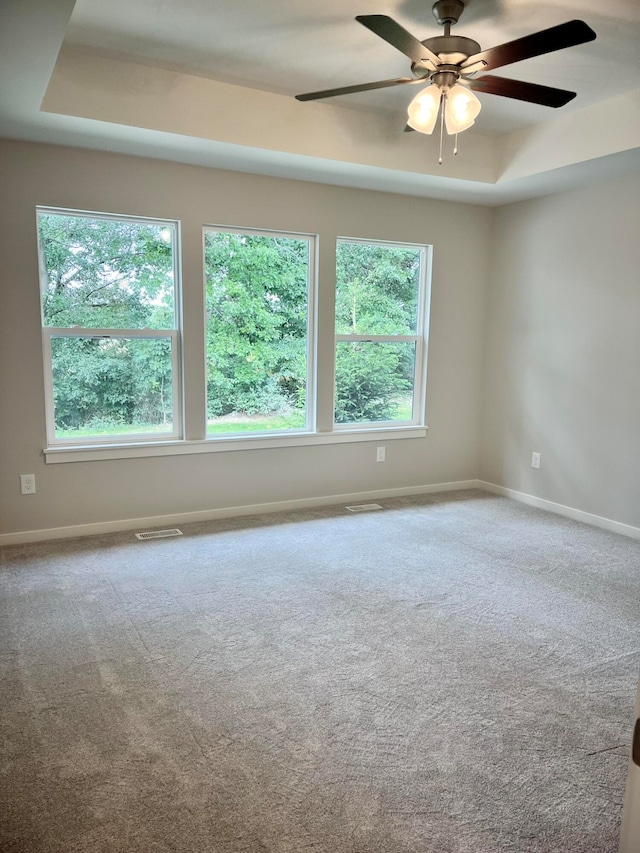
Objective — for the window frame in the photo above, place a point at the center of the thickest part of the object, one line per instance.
(320, 428)
(174, 335)
(50, 332)
(420, 339)
(310, 427)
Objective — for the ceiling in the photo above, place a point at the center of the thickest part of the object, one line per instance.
(213, 83)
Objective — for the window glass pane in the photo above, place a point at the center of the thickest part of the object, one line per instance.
(111, 386)
(374, 381)
(257, 319)
(106, 273)
(377, 289)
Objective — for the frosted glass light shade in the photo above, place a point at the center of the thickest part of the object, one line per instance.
(423, 110)
(461, 109)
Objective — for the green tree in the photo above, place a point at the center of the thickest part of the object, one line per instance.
(376, 294)
(107, 274)
(376, 289)
(102, 273)
(369, 381)
(256, 299)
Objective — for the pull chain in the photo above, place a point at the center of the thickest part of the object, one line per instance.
(455, 146)
(442, 109)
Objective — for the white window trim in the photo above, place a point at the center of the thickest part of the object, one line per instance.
(420, 339)
(161, 445)
(263, 441)
(49, 332)
(174, 335)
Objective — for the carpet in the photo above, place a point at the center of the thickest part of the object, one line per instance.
(452, 673)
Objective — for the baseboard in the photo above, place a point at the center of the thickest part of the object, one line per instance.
(176, 519)
(150, 522)
(560, 509)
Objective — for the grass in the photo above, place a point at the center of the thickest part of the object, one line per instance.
(230, 424)
(113, 430)
(256, 423)
(404, 411)
(238, 423)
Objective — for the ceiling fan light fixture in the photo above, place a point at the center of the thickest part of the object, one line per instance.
(423, 110)
(461, 109)
(448, 59)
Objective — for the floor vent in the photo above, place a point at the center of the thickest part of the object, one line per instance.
(159, 534)
(363, 507)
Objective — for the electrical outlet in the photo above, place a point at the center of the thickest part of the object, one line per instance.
(28, 484)
(535, 460)
(381, 454)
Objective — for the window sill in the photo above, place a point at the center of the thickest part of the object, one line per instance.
(94, 452)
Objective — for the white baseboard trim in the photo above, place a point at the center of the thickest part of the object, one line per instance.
(560, 509)
(177, 519)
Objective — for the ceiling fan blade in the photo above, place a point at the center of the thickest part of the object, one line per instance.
(361, 87)
(547, 96)
(398, 37)
(536, 44)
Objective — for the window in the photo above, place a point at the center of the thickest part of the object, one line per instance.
(109, 317)
(381, 307)
(259, 348)
(113, 351)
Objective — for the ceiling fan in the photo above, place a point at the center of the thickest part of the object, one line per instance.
(449, 63)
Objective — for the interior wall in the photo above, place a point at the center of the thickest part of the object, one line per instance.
(562, 359)
(109, 490)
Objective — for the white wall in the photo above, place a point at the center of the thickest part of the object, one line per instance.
(562, 357)
(90, 492)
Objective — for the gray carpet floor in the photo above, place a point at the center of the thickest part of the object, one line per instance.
(454, 673)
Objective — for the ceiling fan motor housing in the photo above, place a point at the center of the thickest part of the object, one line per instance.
(452, 49)
(447, 11)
